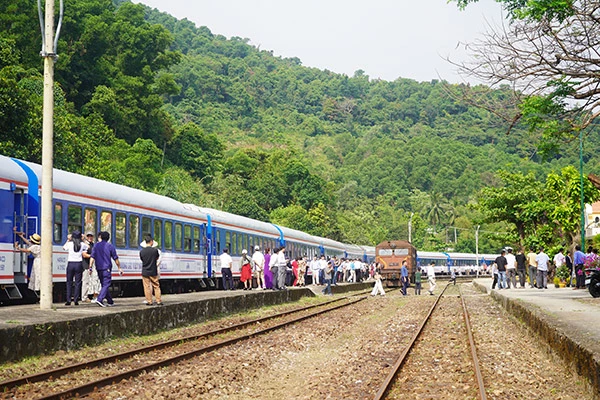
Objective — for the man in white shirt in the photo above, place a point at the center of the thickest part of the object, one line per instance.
(431, 278)
(542, 260)
(559, 259)
(322, 265)
(226, 264)
(314, 267)
(511, 268)
(259, 267)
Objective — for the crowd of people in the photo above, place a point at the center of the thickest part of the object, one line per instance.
(536, 268)
(273, 269)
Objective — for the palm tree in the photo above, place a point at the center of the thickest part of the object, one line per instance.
(436, 209)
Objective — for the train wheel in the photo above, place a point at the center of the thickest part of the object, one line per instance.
(595, 285)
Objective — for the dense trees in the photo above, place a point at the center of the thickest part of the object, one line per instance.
(156, 103)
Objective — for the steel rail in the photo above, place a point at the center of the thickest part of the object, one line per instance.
(391, 377)
(476, 366)
(91, 386)
(9, 384)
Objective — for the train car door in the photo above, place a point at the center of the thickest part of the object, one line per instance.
(21, 262)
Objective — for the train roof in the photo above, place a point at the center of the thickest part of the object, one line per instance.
(96, 189)
(92, 188)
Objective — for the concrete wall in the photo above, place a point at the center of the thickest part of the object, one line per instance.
(34, 339)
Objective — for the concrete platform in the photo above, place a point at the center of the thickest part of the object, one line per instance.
(27, 331)
(568, 320)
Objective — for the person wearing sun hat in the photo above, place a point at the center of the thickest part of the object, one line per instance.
(35, 248)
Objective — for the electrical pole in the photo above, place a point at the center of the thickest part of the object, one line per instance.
(581, 189)
(477, 248)
(410, 228)
(48, 53)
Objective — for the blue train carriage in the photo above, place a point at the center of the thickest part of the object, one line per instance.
(90, 205)
(460, 263)
(236, 233)
(368, 253)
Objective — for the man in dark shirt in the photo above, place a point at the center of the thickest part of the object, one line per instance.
(150, 257)
(521, 265)
(501, 264)
(102, 255)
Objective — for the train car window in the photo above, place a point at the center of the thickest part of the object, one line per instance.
(57, 223)
(134, 231)
(178, 236)
(168, 235)
(196, 239)
(187, 238)
(74, 220)
(120, 230)
(90, 219)
(234, 243)
(217, 239)
(147, 227)
(106, 221)
(245, 241)
(158, 232)
(228, 240)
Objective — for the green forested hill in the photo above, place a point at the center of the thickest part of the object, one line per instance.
(153, 102)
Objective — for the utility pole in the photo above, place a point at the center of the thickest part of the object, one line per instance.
(48, 53)
(410, 228)
(477, 248)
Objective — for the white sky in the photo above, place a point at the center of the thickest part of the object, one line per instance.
(387, 39)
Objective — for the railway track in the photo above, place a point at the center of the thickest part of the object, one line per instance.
(391, 383)
(12, 386)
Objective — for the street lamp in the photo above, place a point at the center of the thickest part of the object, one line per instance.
(410, 228)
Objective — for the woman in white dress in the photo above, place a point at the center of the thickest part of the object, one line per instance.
(35, 249)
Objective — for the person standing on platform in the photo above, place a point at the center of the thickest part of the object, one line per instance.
(501, 264)
(314, 268)
(267, 269)
(404, 277)
(226, 265)
(511, 269)
(150, 257)
(259, 268)
(418, 281)
(559, 259)
(281, 268)
(543, 261)
(274, 268)
(75, 247)
(301, 271)
(495, 275)
(335, 264)
(327, 275)
(453, 277)
(578, 261)
(431, 277)
(246, 270)
(295, 270)
(102, 255)
(569, 264)
(531, 256)
(90, 284)
(521, 262)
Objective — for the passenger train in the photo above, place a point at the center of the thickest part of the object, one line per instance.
(460, 263)
(190, 237)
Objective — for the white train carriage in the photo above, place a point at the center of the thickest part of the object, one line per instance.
(190, 237)
(460, 263)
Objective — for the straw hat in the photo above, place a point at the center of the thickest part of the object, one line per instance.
(35, 238)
